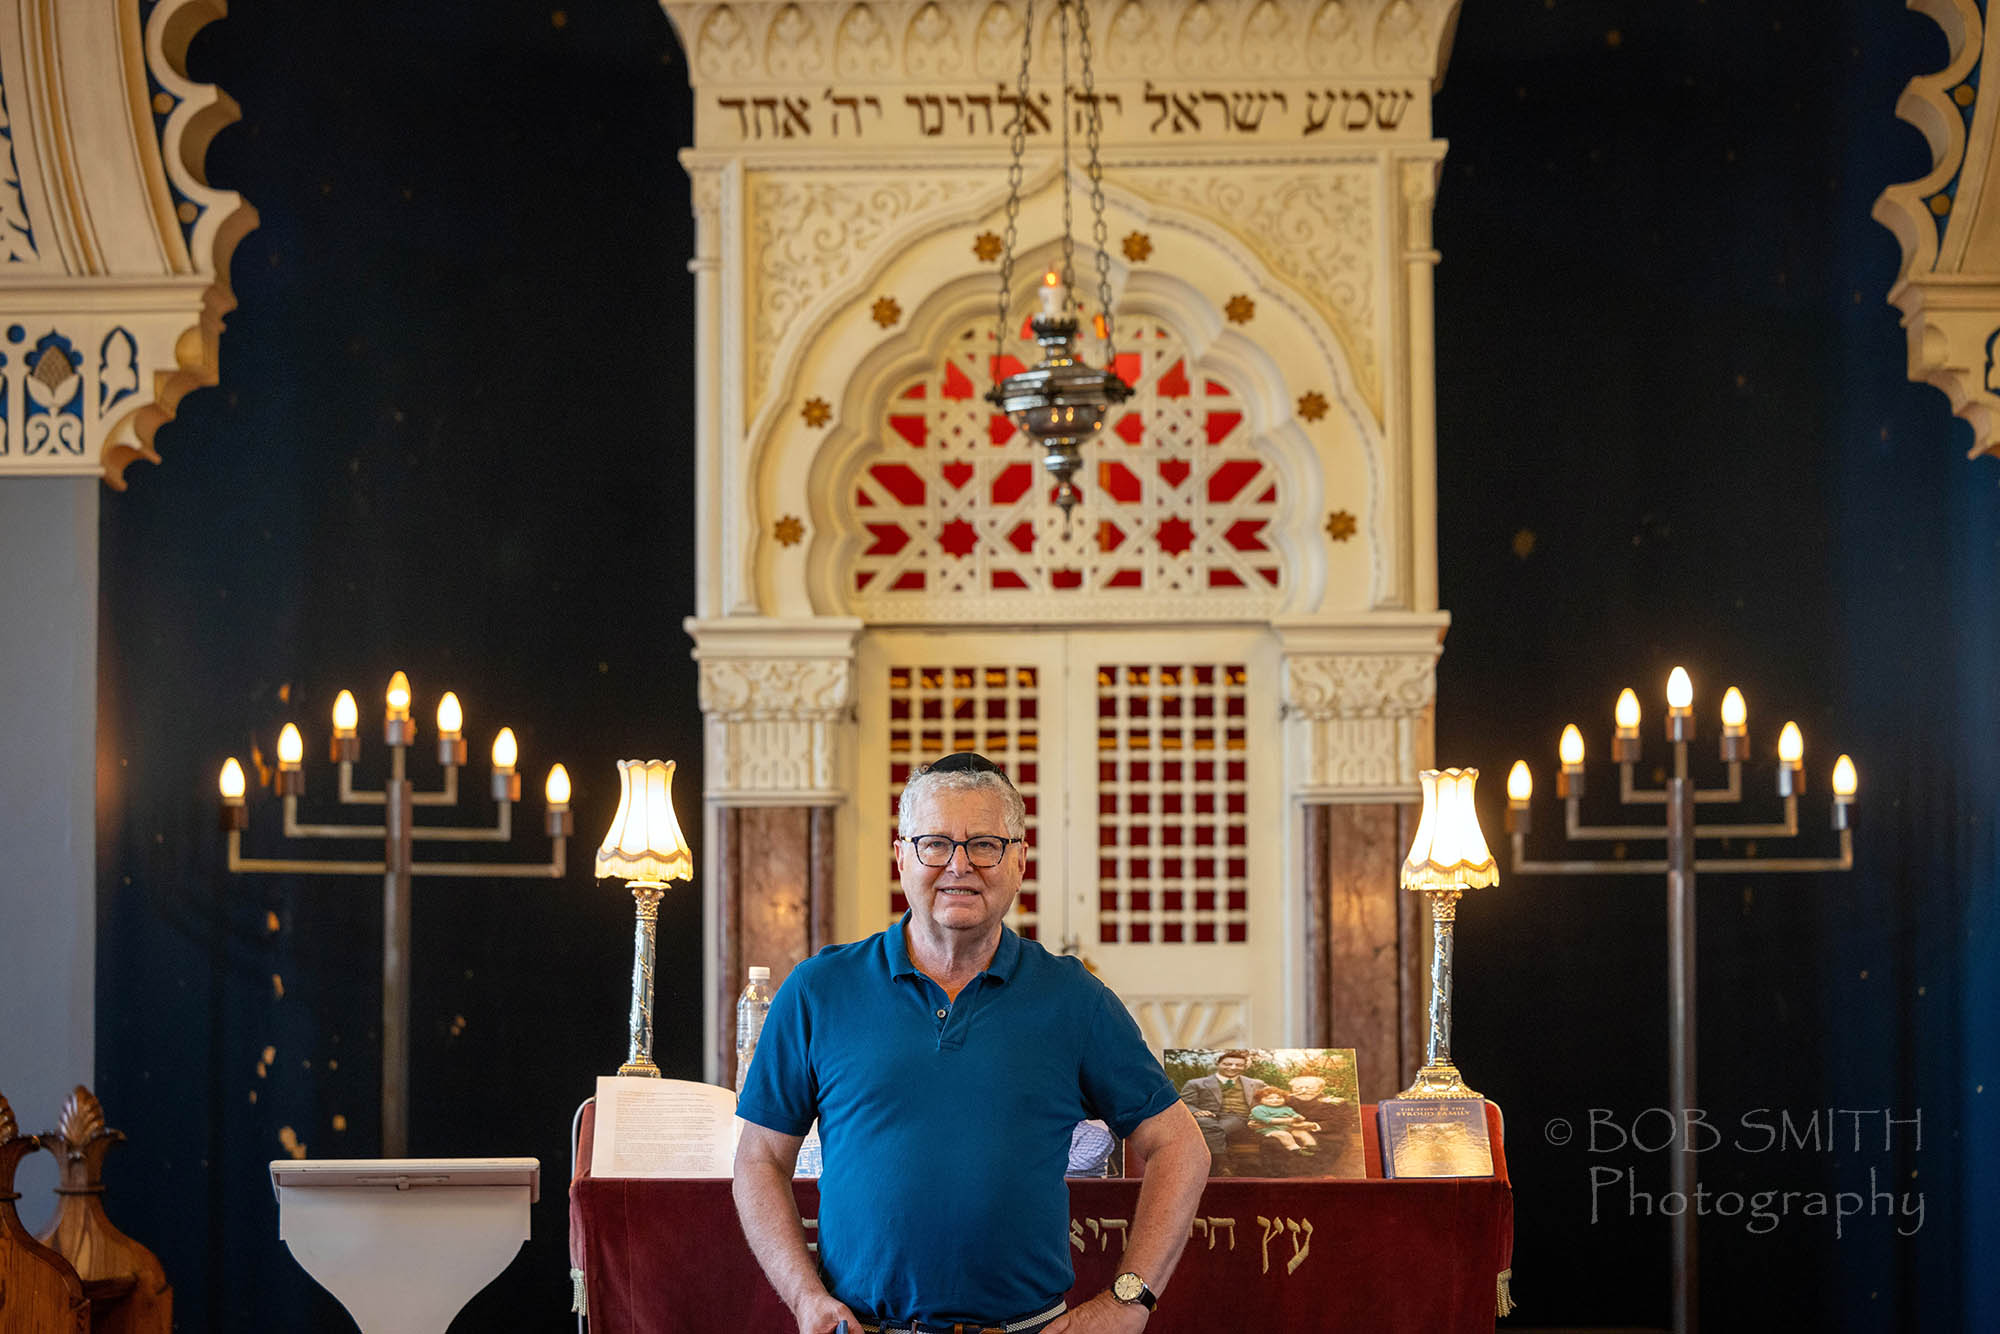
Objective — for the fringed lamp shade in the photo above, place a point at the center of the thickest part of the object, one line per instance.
(1449, 851)
(644, 842)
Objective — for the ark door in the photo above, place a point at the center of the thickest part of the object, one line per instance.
(1149, 764)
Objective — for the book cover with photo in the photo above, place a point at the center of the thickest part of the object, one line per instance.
(1273, 1111)
(1434, 1137)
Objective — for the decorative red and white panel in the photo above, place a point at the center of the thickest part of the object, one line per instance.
(1177, 503)
(994, 710)
(1172, 804)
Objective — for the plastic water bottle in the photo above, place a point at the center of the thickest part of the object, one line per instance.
(751, 1007)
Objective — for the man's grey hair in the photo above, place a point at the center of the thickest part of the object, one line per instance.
(927, 781)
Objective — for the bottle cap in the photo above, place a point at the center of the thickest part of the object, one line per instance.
(759, 973)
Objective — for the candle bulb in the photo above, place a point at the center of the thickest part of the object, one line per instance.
(1520, 787)
(397, 726)
(1680, 705)
(346, 747)
(1735, 727)
(235, 815)
(1845, 781)
(557, 791)
(1625, 742)
(1569, 781)
(1054, 295)
(451, 728)
(506, 783)
(291, 762)
(1791, 761)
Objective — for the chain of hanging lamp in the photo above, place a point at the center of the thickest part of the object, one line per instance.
(1062, 401)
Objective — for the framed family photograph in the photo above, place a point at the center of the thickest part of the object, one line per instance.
(1273, 1111)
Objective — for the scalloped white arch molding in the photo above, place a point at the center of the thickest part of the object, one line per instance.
(1947, 222)
(114, 250)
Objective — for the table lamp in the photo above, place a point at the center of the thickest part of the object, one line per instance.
(1448, 856)
(644, 848)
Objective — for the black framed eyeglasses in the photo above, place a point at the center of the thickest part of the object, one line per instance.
(984, 851)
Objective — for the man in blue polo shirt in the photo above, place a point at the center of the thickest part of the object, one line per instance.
(947, 1061)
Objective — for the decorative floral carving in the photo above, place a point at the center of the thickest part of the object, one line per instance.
(1199, 43)
(1332, 40)
(1138, 247)
(1240, 309)
(861, 46)
(1312, 405)
(1400, 39)
(773, 723)
(1268, 44)
(808, 235)
(1317, 231)
(9, 1129)
(788, 530)
(1359, 685)
(1134, 44)
(776, 689)
(1340, 525)
(722, 50)
(816, 411)
(986, 247)
(996, 47)
(886, 311)
(931, 48)
(792, 49)
(82, 1121)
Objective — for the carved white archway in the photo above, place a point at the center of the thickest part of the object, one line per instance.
(114, 249)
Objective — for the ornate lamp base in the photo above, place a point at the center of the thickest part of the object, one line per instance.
(1438, 1081)
(646, 905)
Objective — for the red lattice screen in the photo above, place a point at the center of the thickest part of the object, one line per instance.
(1176, 498)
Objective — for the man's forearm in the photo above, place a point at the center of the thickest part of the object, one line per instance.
(1169, 1193)
(770, 1217)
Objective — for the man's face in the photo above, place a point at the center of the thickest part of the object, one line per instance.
(961, 896)
(1229, 1067)
(1308, 1087)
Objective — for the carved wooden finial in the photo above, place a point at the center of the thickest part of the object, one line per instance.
(82, 1119)
(9, 1129)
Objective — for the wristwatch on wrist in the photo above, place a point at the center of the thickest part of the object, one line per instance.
(1131, 1290)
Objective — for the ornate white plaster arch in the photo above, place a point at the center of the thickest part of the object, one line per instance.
(114, 249)
(1947, 223)
(1290, 351)
(1275, 434)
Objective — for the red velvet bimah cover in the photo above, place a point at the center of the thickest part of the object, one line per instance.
(668, 1257)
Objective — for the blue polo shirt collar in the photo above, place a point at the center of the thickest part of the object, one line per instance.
(1005, 959)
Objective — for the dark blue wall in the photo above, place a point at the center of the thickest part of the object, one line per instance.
(451, 439)
(1664, 356)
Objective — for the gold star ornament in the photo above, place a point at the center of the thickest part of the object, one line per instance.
(1312, 405)
(788, 530)
(816, 411)
(1340, 525)
(986, 247)
(1138, 246)
(1240, 310)
(886, 311)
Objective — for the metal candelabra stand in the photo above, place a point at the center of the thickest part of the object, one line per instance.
(1681, 833)
(399, 832)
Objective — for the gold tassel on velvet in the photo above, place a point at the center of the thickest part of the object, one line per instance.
(578, 1303)
(1503, 1292)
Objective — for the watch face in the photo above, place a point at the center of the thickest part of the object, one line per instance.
(1127, 1287)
